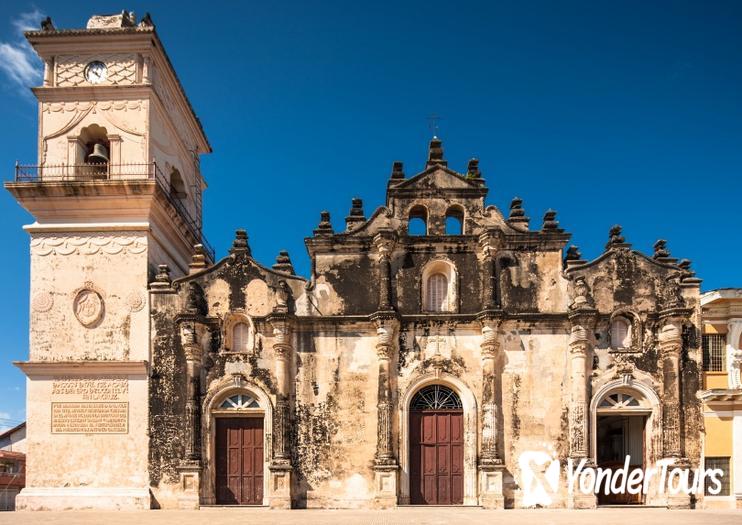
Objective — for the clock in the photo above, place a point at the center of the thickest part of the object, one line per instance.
(95, 72)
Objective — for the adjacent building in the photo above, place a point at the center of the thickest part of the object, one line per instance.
(722, 391)
(12, 465)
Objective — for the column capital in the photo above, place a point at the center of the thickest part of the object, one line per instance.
(490, 337)
(384, 242)
(490, 241)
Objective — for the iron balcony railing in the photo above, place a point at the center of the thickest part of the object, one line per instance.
(114, 172)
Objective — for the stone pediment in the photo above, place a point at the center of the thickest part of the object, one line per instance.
(439, 177)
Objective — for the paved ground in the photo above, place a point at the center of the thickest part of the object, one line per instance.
(401, 516)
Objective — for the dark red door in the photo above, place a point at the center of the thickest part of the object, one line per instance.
(437, 457)
(239, 461)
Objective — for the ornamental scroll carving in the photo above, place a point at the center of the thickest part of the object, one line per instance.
(75, 244)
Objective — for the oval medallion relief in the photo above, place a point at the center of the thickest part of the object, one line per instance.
(88, 306)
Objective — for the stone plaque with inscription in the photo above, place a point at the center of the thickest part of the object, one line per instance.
(90, 405)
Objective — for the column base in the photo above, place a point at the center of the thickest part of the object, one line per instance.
(83, 498)
(491, 476)
(576, 499)
(681, 500)
(190, 485)
(279, 496)
(385, 485)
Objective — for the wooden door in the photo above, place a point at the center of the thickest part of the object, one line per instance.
(618, 437)
(239, 461)
(437, 457)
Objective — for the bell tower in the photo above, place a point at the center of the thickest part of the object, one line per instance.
(115, 191)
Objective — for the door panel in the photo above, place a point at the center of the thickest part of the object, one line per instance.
(618, 437)
(239, 461)
(436, 457)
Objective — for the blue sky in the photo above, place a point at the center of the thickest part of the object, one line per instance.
(609, 112)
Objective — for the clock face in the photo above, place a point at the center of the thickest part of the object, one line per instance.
(95, 72)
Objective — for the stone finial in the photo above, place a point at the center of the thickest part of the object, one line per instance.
(163, 274)
(47, 24)
(660, 249)
(283, 263)
(195, 301)
(435, 153)
(325, 226)
(162, 278)
(146, 21)
(573, 257)
(472, 169)
(614, 237)
(283, 297)
(550, 222)
(397, 170)
(198, 259)
(240, 245)
(673, 293)
(356, 216)
(573, 253)
(517, 213)
(583, 299)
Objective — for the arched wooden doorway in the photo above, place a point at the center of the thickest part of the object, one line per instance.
(239, 451)
(436, 447)
(621, 431)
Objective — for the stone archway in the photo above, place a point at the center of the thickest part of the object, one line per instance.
(469, 408)
(249, 411)
(624, 415)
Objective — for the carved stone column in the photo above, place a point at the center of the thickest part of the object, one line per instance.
(670, 342)
(189, 468)
(491, 466)
(487, 244)
(279, 495)
(385, 461)
(670, 345)
(384, 243)
(581, 343)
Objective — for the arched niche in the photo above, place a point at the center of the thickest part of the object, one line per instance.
(439, 287)
(238, 332)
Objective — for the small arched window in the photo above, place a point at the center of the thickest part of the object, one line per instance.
(620, 333)
(437, 293)
(418, 221)
(454, 221)
(240, 337)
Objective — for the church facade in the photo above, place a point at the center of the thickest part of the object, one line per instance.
(436, 341)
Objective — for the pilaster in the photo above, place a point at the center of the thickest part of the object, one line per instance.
(385, 462)
(491, 467)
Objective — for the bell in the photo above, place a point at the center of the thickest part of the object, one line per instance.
(99, 154)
